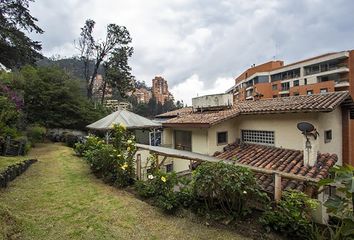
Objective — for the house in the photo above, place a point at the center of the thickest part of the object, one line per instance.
(264, 134)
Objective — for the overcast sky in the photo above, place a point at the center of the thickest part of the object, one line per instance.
(200, 46)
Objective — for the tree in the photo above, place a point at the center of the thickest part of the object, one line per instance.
(116, 37)
(16, 48)
(52, 98)
(118, 72)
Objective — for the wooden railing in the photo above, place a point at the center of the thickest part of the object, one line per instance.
(186, 155)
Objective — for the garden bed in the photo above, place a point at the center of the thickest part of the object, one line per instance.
(12, 171)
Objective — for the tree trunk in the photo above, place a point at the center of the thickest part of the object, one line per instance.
(103, 91)
(90, 85)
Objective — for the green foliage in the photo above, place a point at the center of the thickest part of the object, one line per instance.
(36, 133)
(113, 162)
(54, 99)
(341, 205)
(92, 143)
(291, 216)
(16, 48)
(9, 116)
(226, 188)
(160, 188)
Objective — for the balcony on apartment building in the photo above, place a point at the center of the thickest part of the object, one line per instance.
(287, 75)
(333, 66)
(340, 80)
(285, 89)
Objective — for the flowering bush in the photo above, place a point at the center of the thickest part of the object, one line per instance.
(225, 188)
(291, 216)
(92, 143)
(160, 188)
(113, 162)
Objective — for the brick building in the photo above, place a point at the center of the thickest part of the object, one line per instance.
(142, 95)
(160, 90)
(325, 73)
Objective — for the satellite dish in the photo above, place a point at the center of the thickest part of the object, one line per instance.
(305, 127)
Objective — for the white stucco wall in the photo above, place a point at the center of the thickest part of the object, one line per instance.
(286, 134)
(331, 121)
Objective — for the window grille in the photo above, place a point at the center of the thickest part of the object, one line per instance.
(256, 136)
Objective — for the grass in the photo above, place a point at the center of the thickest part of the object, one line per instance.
(7, 161)
(58, 198)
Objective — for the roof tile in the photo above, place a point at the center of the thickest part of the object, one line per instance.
(280, 159)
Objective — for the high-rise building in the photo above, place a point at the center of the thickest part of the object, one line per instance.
(160, 90)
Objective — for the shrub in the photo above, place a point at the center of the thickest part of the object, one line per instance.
(160, 188)
(114, 162)
(92, 143)
(341, 206)
(36, 133)
(225, 188)
(292, 216)
(71, 139)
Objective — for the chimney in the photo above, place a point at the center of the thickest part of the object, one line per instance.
(310, 148)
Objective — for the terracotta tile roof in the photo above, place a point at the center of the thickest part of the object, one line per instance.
(284, 160)
(175, 113)
(308, 103)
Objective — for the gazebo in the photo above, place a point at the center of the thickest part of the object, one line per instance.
(126, 118)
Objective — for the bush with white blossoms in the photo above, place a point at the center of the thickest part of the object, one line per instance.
(113, 162)
(159, 187)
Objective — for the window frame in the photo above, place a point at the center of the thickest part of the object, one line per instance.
(217, 138)
(255, 135)
(326, 138)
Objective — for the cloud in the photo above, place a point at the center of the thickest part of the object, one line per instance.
(210, 39)
(194, 87)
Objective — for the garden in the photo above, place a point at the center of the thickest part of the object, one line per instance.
(221, 194)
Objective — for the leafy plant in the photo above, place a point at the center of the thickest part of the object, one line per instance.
(341, 205)
(160, 188)
(291, 216)
(113, 162)
(36, 133)
(226, 188)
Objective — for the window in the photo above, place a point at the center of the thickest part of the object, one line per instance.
(169, 167)
(275, 96)
(296, 94)
(305, 81)
(296, 83)
(222, 138)
(274, 87)
(323, 90)
(258, 136)
(309, 92)
(183, 140)
(285, 86)
(328, 136)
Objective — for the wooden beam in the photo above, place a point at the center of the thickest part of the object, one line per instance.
(277, 187)
(163, 160)
(138, 166)
(179, 154)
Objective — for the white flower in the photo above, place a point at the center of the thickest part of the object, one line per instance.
(110, 155)
(244, 192)
(151, 176)
(129, 141)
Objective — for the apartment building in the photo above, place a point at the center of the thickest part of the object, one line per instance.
(160, 90)
(325, 73)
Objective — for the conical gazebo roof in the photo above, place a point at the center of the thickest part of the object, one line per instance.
(128, 119)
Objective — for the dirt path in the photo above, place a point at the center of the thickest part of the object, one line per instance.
(58, 198)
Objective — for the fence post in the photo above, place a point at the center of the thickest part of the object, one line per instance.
(138, 166)
(277, 187)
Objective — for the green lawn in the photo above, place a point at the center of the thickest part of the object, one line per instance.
(7, 161)
(58, 198)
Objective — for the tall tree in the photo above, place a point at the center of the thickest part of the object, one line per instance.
(16, 48)
(118, 72)
(116, 37)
